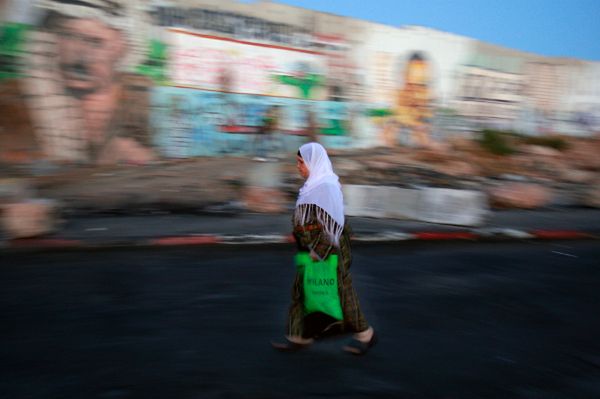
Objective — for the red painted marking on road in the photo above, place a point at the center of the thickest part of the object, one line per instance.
(200, 240)
(459, 235)
(44, 243)
(559, 234)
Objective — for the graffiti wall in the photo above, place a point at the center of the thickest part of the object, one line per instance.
(188, 123)
(411, 78)
(426, 85)
(489, 94)
(224, 64)
(233, 24)
(73, 74)
(581, 104)
(101, 81)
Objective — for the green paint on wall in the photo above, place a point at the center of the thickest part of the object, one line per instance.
(155, 65)
(305, 84)
(12, 42)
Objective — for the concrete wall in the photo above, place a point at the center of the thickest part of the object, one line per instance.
(434, 205)
(95, 80)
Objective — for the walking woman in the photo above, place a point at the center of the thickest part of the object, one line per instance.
(320, 230)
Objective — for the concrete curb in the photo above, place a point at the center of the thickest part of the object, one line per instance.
(503, 234)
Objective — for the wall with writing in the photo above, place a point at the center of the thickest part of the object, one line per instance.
(188, 122)
(218, 63)
(132, 81)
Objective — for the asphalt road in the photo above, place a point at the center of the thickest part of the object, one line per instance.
(479, 320)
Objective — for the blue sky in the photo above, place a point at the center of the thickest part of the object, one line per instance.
(545, 27)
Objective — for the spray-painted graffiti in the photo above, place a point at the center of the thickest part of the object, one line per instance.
(229, 23)
(413, 104)
(407, 115)
(583, 100)
(303, 79)
(83, 105)
(489, 94)
(94, 81)
(156, 65)
(12, 42)
(342, 80)
(189, 122)
(229, 65)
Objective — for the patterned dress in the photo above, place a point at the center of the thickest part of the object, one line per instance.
(312, 236)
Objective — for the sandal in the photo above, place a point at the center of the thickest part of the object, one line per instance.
(360, 348)
(288, 346)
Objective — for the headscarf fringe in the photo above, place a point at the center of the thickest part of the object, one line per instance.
(333, 230)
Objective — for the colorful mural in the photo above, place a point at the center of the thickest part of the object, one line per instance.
(156, 65)
(127, 81)
(232, 24)
(188, 122)
(12, 43)
(413, 104)
(223, 64)
(84, 104)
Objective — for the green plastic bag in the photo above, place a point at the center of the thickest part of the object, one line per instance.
(320, 285)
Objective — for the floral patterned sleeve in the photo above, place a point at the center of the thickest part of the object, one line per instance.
(311, 237)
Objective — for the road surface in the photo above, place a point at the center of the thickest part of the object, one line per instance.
(456, 320)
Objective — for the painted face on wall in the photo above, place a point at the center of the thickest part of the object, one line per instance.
(415, 94)
(416, 71)
(89, 52)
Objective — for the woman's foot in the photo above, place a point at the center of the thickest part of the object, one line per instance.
(292, 344)
(362, 342)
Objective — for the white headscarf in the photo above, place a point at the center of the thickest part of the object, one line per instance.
(323, 189)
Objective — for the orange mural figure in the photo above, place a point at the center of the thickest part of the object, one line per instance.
(413, 103)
